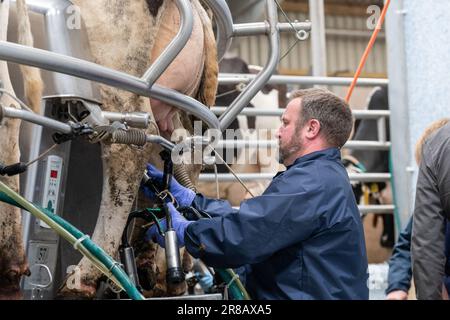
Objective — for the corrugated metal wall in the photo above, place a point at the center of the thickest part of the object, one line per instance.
(347, 37)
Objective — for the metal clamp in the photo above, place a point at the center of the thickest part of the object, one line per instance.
(77, 243)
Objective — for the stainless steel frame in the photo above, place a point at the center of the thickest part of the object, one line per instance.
(261, 79)
(145, 85)
(91, 71)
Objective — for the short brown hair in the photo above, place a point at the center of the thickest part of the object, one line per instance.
(433, 127)
(333, 113)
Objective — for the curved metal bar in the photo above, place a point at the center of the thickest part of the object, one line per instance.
(87, 70)
(161, 141)
(260, 81)
(175, 46)
(224, 22)
(14, 113)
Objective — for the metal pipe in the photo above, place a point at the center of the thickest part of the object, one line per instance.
(381, 126)
(387, 208)
(367, 145)
(369, 209)
(235, 78)
(349, 33)
(133, 119)
(161, 141)
(260, 80)
(260, 28)
(363, 177)
(352, 144)
(175, 46)
(224, 23)
(14, 113)
(266, 112)
(318, 43)
(87, 70)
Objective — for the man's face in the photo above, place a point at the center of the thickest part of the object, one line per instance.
(289, 136)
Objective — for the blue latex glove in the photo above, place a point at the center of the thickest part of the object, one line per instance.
(206, 280)
(184, 196)
(179, 224)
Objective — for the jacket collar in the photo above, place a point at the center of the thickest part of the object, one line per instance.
(329, 154)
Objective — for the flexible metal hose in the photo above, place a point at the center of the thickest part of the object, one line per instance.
(182, 176)
(131, 136)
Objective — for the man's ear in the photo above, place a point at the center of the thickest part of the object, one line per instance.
(313, 129)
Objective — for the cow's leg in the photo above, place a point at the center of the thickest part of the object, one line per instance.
(121, 182)
(12, 255)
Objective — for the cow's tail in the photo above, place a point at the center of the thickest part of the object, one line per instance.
(209, 82)
(33, 84)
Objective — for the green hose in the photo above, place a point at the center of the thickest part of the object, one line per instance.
(86, 246)
(235, 286)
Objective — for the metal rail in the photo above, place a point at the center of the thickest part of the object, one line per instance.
(87, 70)
(226, 177)
(266, 112)
(8, 112)
(235, 78)
(260, 80)
(260, 28)
(382, 208)
(352, 144)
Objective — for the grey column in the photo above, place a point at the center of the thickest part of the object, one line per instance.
(419, 84)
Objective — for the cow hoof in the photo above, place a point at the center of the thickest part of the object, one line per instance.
(10, 283)
(82, 292)
(11, 295)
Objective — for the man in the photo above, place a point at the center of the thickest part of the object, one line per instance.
(432, 208)
(400, 272)
(303, 237)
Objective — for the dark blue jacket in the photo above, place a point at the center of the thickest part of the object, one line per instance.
(302, 238)
(400, 272)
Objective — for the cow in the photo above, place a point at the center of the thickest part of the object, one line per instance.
(13, 263)
(117, 39)
(376, 161)
(129, 36)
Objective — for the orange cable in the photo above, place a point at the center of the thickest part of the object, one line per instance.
(367, 51)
